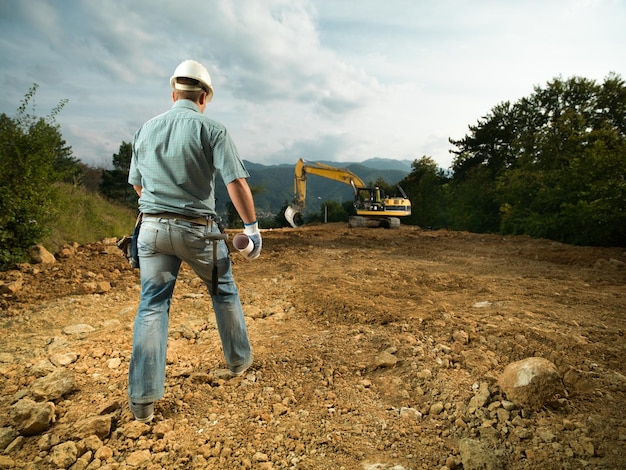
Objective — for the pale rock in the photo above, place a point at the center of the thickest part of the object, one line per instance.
(135, 429)
(83, 462)
(477, 456)
(114, 363)
(93, 443)
(508, 405)
(481, 396)
(138, 458)
(95, 287)
(11, 287)
(162, 428)
(279, 409)
(385, 360)
(6, 462)
(460, 336)
(53, 386)
(46, 442)
(531, 382)
(580, 381)
(410, 413)
(111, 323)
(103, 453)
(39, 254)
(424, 374)
(94, 425)
(64, 454)
(7, 434)
(6, 358)
(68, 251)
(63, 359)
(260, 457)
(478, 360)
(436, 408)
(31, 418)
(15, 445)
(78, 329)
(42, 368)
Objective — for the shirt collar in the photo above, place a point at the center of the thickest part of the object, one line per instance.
(186, 104)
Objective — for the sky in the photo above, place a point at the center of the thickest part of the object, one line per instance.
(338, 80)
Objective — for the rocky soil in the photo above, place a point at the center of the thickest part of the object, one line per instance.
(374, 349)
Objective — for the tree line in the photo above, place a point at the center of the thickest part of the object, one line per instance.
(551, 165)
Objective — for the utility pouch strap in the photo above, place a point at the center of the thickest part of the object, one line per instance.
(214, 275)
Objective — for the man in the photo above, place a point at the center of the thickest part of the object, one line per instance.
(176, 156)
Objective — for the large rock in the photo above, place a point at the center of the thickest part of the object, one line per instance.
(78, 329)
(477, 456)
(94, 426)
(39, 254)
(31, 418)
(53, 386)
(7, 434)
(531, 382)
(64, 454)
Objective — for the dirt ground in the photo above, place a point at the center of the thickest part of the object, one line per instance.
(369, 347)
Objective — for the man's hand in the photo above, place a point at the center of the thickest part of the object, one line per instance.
(252, 230)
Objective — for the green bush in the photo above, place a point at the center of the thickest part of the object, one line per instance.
(34, 160)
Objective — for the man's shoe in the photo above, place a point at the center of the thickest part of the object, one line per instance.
(240, 370)
(143, 412)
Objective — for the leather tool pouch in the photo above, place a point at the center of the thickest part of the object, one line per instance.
(128, 244)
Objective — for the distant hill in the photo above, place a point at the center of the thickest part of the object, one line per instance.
(387, 164)
(276, 182)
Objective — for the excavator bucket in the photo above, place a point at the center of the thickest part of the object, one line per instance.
(290, 214)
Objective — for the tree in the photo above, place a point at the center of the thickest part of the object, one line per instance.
(332, 211)
(571, 186)
(233, 218)
(481, 157)
(426, 188)
(114, 184)
(551, 165)
(33, 156)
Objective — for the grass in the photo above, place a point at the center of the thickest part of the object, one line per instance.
(84, 217)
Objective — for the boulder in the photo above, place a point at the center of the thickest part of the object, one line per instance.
(64, 454)
(53, 386)
(39, 254)
(31, 418)
(477, 456)
(531, 382)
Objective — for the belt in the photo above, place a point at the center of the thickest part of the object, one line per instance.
(194, 220)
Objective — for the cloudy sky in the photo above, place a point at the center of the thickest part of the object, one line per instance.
(341, 80)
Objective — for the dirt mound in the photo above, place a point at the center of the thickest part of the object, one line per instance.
(373, 348)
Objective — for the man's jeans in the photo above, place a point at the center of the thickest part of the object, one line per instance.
(163, 244)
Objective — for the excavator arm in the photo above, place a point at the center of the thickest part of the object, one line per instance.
(338, 174)
(319, 169)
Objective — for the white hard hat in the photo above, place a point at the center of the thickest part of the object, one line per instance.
(195, 70)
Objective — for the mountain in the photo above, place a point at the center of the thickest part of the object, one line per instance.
(387, 164)
(275, 183)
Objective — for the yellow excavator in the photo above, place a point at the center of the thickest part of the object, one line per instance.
(373, 207)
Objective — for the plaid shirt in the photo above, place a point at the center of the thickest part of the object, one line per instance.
(176, 156)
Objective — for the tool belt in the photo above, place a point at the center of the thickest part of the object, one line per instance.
(194, 220)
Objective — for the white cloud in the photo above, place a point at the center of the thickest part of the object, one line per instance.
(301, 78)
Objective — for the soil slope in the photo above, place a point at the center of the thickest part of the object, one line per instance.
(370, 348)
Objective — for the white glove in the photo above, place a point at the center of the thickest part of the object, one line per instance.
(252, 230)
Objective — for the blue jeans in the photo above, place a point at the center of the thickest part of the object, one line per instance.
(163, 244)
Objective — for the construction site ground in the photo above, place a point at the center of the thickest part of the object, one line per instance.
(369, 346)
